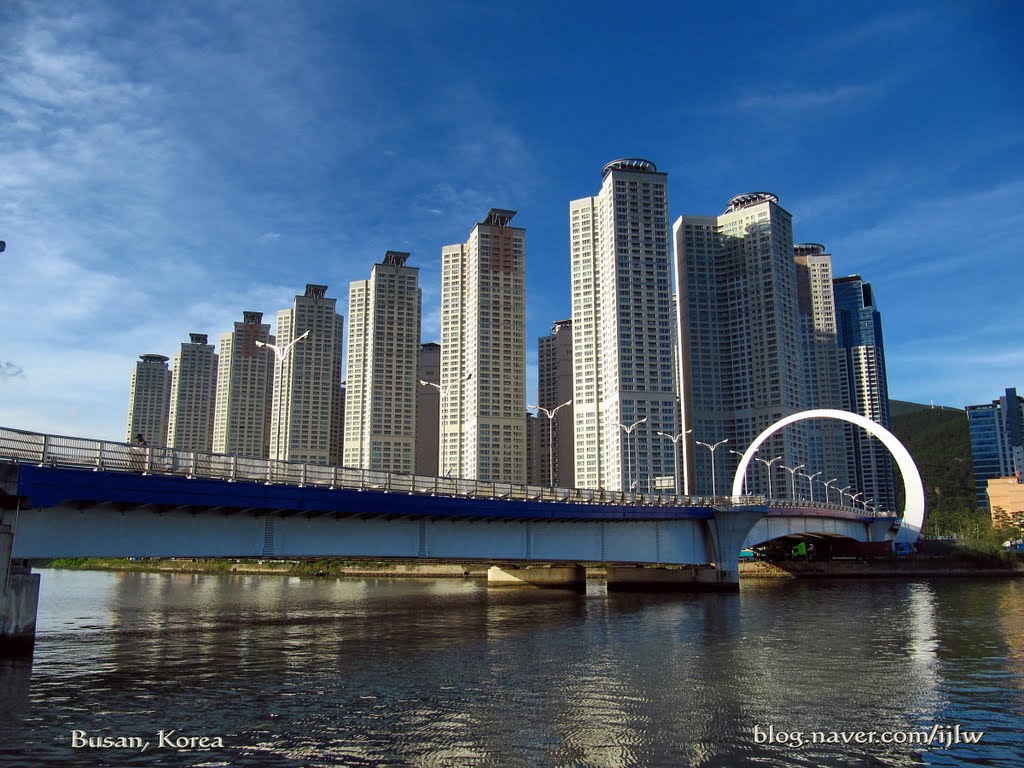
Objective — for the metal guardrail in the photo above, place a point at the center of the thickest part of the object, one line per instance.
(18, 445)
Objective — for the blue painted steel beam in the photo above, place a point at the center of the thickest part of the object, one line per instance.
(51, 486)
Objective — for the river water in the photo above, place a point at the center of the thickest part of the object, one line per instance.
(387, 672)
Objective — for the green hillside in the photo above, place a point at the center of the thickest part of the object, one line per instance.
(939, 440)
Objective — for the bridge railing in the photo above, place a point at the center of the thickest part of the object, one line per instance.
(59, 450)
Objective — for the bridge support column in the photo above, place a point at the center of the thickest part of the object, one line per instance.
(729, 530)
(879, 530)
(688, 578)
(19, 599)
(555, 577)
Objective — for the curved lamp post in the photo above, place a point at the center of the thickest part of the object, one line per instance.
(768, 469)
(281, 353)
(713, 448)
(629, 454)
(442, 394)
(810, 482)
(675, 451)
(792, 478)
(833, 480)
(551, 435)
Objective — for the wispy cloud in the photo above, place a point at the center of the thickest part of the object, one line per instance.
(797, 100)
(9, 370)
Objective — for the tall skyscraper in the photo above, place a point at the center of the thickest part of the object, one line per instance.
(621, 330)
(554, 387)
(193, 396)
(383, 355)
(865, 387)
(739, 340)
(534, 448)
(997, 441)
(483, 352)
(149, 400)
(245, 380)
(428, 409)
(307, 409)
(827, 450)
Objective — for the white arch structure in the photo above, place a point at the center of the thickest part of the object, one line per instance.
(913, 512)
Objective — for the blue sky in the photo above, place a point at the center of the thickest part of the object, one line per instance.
(165, 166)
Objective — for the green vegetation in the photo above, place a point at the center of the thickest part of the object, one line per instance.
(940, 443)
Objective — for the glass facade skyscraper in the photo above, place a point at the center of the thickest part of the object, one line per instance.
(865, 386)
(997, 440)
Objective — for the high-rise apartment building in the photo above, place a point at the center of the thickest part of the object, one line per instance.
(741, 364)
(383, 355)
(245, 380)
(306, 411)
(997, 441)
(193, 395)
(534, 448)
(483, 352)
(149, 400)
(428, 409)
(865, 388)
(827, 451)
(621, 330)
(554, 389)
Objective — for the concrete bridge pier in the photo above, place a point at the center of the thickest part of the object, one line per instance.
(538, 577)
(879, 530)
(658, 578)
(728, 531)
(19, 600)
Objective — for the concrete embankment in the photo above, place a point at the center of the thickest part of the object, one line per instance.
(878, 568)
(273, 567)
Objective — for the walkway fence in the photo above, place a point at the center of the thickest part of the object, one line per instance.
(18, 445)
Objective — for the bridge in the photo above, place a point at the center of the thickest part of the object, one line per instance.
(73, 497)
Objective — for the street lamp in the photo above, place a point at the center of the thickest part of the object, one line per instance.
(792, 478)
(280, 353)
(551, 435)
(629, 456)
(866, 502)
(768, 469)
(853, 499)
(713, 448)
(810, 483)
(675, 454)
(740, 454)
(833, 480)
(442, 394)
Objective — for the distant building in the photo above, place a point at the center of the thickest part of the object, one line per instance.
(535, 448)
(1005, 498)
(827, 450)
(997, 441)
(306, 413)
(621, 329)
(428, 409)
(149, 400)
(193, 395)
(554, 387)
(740, 352)
(865, 387)
(483, 352)
(383, 355)
(245, 379)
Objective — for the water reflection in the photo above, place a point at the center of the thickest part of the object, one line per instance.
(446, 673)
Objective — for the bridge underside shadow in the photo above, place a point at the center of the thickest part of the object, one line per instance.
(781, 523)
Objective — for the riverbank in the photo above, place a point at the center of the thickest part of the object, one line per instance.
(322, 568)
(905, 568)
(761, 569)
